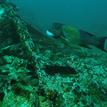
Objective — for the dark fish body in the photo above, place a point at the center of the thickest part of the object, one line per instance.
(88, 38)
(56, 69)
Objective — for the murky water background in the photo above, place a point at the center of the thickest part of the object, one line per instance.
(89, 15)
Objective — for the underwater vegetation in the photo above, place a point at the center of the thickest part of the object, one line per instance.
(38, 70)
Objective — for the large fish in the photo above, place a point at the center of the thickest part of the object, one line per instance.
(75, 36)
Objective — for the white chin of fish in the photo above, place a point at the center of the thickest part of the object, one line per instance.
(49, 34)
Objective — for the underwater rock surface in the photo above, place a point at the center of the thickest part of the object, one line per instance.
(45, 72)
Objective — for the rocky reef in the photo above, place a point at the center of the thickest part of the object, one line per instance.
(37, 71)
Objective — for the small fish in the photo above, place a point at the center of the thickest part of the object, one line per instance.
(105, 44)
(56, 69)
